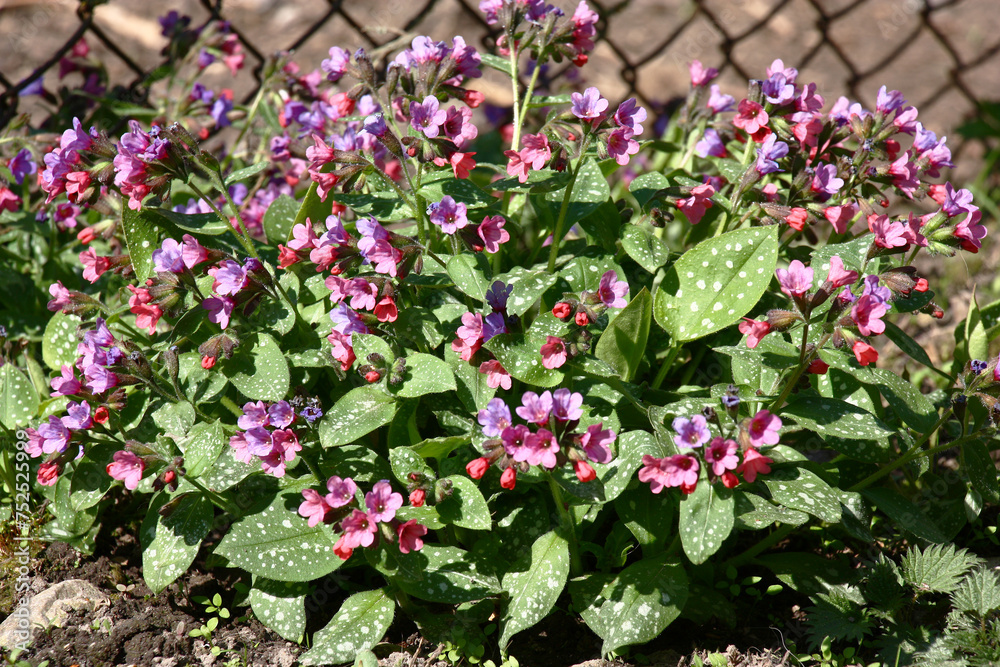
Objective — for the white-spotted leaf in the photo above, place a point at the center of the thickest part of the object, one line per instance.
(534, 585)
(706, 519)
(425, 374)
(648, 250)
(359, 625)
(260, 373)
(281, 606)
(357, 413)
(59, 341)
(18, 398)
(833, 417)
(803, 490)
(169, 544)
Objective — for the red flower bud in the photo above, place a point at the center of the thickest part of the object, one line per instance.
(417, 497)
(101, 415)
(584, 471)
(818, 367)
(508, 479)
(478, 467)
(688, 489)
(921, 285)
(86, 235)
(207, 362)
(729, 480)
(373, 376)
(582, 319)
(561, 310)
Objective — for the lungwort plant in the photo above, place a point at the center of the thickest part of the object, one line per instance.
(477, 359)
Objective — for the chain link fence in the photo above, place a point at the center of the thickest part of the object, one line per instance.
(943, 54)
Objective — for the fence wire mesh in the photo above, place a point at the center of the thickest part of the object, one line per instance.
(943, 54)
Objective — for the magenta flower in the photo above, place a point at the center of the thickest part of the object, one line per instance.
(341, 491)
(825, 181)
(866, 313)
(553, 352)
(259, 441)
(127, 467)
(93, 265)
(778, 67)
(751, 117)
(280, 414)
(77, 416)
(621, 145)
(359, 529)
(722, 455)
(428, 116)
(541, 448)
(710, 144)
(494, 418)
(691, 432)
(254, 415)
(566, 405)
(192, 252)
(336, 65)
(61, 297)
(694, 207)
(589, 105)
(595, 442)
(314, 507)
(700, 75)
(769, 153)
(219, 308)
(536, 151)
(492, 233)
(382, 502)
(363, 293)
(471, 331)
(763, 429)
(513, 439)
(496, 374)
(796, 280)
(887, 234)
(653, 473)
(99, 379)
(680, 470)
(409, 534)
(238, 442)
(534, 408)
(67, 384)
(838, 275)
(630, 115)
(458, 126)
(448, 214)
(719, 102)
(612, 291)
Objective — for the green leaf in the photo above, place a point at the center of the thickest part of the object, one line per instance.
(170, 544)
(259, 369)
(590, 190)
(280, 606)
(197, 383)
(355, 414)
(90, 478)
(803, 490)
(367, 344)
(227, 471)
(648, 516)
(203, 446)
(833, 417)
(497, 63)
(448, 575)
(279, 218)
(840, 615)
(425, 374)
(463, 191)
(278, 544)
(915, 409)
(247, 172)
(978, 593)
(640, 602)
(538, 101)
(716, 283)
(543, 180)
(360, 624)
(470, 273)
(646, 248)
(59, 341)
(383, 206)
(313, 209)
(405, 461)
(141, 239)
(643, 187)
(357, 462)
(909, 346)
(623, 343)
(465, 507)
(756, 513)
(981, 470)
(975, 333)
(521, 357)
(807, 573)
(908, 515)
(938, 568)
(529, 286)
(18, 398)
(706, 519)
(533, 585)
(201, 224)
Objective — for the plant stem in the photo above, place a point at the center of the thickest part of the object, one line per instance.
(526, 102)
(215, 497)
(804, 361)
(763, 545)
(912, 453)
(665, 367)
(569, 525)
(561, 221)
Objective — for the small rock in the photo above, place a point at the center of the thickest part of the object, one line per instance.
(49, 609)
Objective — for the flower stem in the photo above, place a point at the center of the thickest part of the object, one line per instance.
(569, 526)
(912, 453)
(563, 209)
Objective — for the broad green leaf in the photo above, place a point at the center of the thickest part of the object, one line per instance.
(631, 447)
(227, 471)
(520, 355)
(907, 344)
(543, 180)
(198, 384)
(18, 398)
(981, 470)
(170, 544)
(473, 390)
(90, 478)
(141, 238)
(852, 254)
(756, 513)
(440, 448)
(355, 414)
(534, 585)
(201, 224)
(174, 419)
(280, 606)
(419, 326)
(641, 602)
(383, 206)
(906, 514)
(603, 225)
(360, 624)
(807, 573)
(203, 446)
(803, 490)
(279, 218)
(70, 521)
(716, 283)
(915, 409)
(359, 463)
(314, 210)
(247, 172)
(529, 286)
(590, 190)
(975, 333)
(497, 63)
(648, 250)
(259, 369)
(465, 507)
(447, 575)
(471, 274)
(59, 341)
(278, 544)
(464, 191)
(425, 374)
(367, 344)
(584, 271)
(648, 516)
(405, 461)
(833, 417)
(643, 187)
(623, 343)
(706, 519)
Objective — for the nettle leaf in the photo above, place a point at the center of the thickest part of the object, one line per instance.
(425, 374)
(259, 369)
(360, 624)
(716, 283)
(533, 585)
(938, 568)
(204, 445)
(355, 414)
(279, 218)
(18, 398)
(839, 614)
(803, 490)
(529, 286)
(141, 239)
(59, 341)
(643, 187)
(978, 593)
(623, 343)
(281, 606)
(981, 470)
(833, 417)
(169, 544)
(447, 575)
(647, 249)
(465, 507)
(706, 519)
(278, 544)
(471, 274)
(520, 355)
(641, 602)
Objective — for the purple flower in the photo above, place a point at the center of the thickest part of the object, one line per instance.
(54, 436)
(448, 214)
(691, 432)
(466, 58)
(495, 418)
(872, 288)
(382, 502)
(77, 416)
(341, 491)
(825, 180)
(719, 102)
(427, 117)
(346, 321)
(66, 385)
(535, 408)
(887, 102)
(768, 153)
(778, 67)
(311, 413)
(258, 441)
(566, 405)
(375, 125)
(595, 443)
(630, 115)
(588, 105)
(493, 325)
(458, 126)
(710, 144)
(254, 415)
(955, 203)
(796, 280)
(612, 291)
(22, 165)
(336, 65)
(221, 107)
(219, 308)
(777, 90)
(99, 379)
(168, 259)
(100, 335)
(375, 247)
(230, 278)
(497, 295)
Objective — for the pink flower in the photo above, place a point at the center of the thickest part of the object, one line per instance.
(67, 385)
(492, 233)
(303, 236)
(722, 455)
(93, 266)
(314, 507)
(517, 166)
(621, 144)
(48, 473)
(8, 200)
(682, 470)
(840, 216)
(796, 280)
(359, 529)
(754, 331)
(541, 449)
(838, 275)
(553, 352)
(219, 308)
(241, 452)
(496, 376)
(694, 207)
(754, 463)
(700, 75)
(342, 349)
(867, 312)
(595, 443)
(127, 467)
(887, 234)
(751, 117)
(61, 297)
(653, 473)
(382, 502)
(763, 429)
(147, 315)
(612, 291)
(409, 534)
(536, 151)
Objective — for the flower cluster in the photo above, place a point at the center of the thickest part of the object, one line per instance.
(476, 329)
(361, 527)
(266, 435)
(555, 442)
(583, 309)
